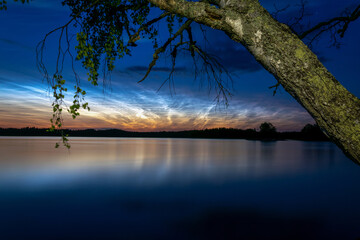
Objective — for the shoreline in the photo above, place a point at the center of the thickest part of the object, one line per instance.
(216, 133)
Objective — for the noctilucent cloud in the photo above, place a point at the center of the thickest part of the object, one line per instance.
(25, 100)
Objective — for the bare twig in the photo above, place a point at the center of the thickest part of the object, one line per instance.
(276, 86)
(134, 37)
(279, 10)
(342, 23)
(163, 48)
(41, 45)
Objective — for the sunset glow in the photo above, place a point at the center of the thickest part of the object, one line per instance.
(25, 100)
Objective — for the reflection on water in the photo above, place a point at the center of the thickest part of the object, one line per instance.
(154, 160)
(118, 188)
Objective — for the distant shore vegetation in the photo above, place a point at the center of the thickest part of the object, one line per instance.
(266, 132)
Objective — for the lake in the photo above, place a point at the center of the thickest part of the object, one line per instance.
(137, 188)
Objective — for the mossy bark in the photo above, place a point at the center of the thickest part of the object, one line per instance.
(292, 63)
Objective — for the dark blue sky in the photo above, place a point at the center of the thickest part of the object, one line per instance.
(25, 99)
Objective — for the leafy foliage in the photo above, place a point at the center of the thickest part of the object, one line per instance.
(108, 30)
(3, 3)
(104, 28)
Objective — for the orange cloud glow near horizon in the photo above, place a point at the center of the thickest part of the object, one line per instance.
(145, 112)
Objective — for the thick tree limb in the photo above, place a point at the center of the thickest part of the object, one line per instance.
(200, 12)
(292, 63)
(280, 52)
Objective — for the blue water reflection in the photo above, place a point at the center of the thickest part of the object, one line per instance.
(110, 188)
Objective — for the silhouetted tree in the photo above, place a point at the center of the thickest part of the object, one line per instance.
(267, 129)
(310, 128)
(313, 132)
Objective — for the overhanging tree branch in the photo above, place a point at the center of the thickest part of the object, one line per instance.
(342, 23)
(164, 46)
(292, 63)
(135, 37)
(200, 12)
(273, 45)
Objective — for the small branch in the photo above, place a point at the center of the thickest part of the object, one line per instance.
(299, 19)
(41, 45)
(163, 48)
(135, 37)
(173, 54)
(277, 10)
(334, 22)
(214, 69)
(192, 42)
(276, 86)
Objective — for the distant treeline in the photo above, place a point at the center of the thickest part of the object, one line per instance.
(267, 132)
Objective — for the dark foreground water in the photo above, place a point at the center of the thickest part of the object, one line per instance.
(112, 188)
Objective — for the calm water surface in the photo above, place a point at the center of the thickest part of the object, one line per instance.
(133, 188)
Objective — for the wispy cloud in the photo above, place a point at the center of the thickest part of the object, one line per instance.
(147, 111)
(24, 101)
(16, 44)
